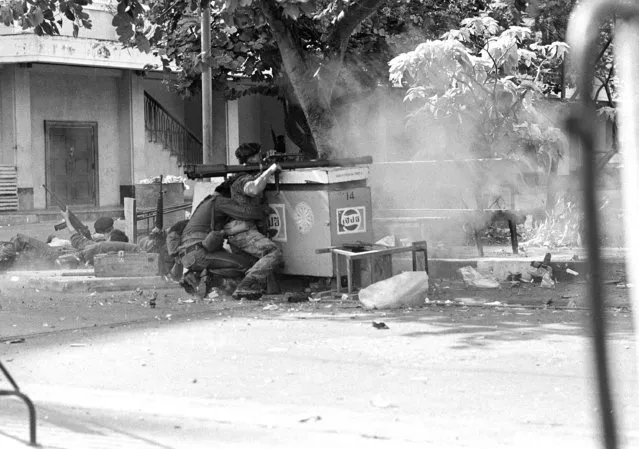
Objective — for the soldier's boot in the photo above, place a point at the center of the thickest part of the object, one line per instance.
(249, 288)
(202, 288)
(190, 283)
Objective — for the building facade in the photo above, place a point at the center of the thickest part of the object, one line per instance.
(81, 117)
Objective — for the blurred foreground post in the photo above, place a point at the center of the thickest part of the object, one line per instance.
(582, 38)
(627, 62)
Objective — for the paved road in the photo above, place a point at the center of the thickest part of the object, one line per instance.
(438, 377)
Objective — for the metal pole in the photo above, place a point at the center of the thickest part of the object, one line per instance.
(582, 35)
(626, 44)
(207, 113)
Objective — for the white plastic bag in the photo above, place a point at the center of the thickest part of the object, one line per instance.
(406, 289)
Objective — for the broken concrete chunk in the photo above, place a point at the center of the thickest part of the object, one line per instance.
(405, 289)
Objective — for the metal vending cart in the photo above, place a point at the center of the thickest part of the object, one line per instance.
(316, 208)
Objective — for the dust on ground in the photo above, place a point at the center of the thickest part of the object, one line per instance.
(26, 311)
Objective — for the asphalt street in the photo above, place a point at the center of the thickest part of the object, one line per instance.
(323, 375)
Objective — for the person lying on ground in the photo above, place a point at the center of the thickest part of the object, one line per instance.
(104, 231)
(106, 239)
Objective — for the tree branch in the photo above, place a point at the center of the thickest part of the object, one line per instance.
(354, 15)
(289, 47)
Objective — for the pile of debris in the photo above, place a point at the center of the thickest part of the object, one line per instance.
(541, 273)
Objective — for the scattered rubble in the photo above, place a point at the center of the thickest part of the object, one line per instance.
(311, 419)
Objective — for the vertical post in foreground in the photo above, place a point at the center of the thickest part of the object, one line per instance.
(626, 41)
(130, 219)
(207, 113)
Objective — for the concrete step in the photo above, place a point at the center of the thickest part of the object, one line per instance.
(82, 280)
(53, 215)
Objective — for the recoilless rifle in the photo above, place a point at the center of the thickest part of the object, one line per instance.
(222, 170)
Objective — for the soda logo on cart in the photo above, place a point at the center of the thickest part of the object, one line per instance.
(351, 220)
(277, 223)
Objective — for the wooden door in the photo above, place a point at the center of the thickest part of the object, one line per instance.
(71, 162)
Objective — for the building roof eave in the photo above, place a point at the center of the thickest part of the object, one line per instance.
(30, 48)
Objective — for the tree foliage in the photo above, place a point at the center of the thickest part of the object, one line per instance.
(314, 55)
(485, 83)
(45, 16)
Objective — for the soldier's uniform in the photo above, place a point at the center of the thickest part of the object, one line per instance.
(203, 236)
(244, 236)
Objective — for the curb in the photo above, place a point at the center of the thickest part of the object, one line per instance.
(80, 281)
(501, 268)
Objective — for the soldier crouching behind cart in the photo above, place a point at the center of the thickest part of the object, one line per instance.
(235, 217)
(244, 236)
(200, 249)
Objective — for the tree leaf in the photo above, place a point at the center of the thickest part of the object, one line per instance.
(48, 30)
(142, 43)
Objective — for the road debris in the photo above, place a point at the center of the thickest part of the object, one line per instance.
(15, 341)
(296, 297)
(152, 301)
(213, 294)
(474, 278)
(311, 419)
(547, 281)
(381, 402)
(77, 345)
(271, 307)
(380, 325)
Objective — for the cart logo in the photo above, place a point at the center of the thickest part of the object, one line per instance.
(304, 217)
(351, 220)
(277, 223)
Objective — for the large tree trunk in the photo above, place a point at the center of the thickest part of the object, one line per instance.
(312, 87)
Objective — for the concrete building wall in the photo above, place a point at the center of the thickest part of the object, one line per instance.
(125, 121)
(248, 118)
(220, 138)
(271, 118)
(7, 145)
(75, 97)
(251, 119)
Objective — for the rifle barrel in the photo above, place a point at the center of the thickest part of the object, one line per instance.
(61, 204)
(196, 171)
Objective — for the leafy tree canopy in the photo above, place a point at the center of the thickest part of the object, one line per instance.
(484, 83)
